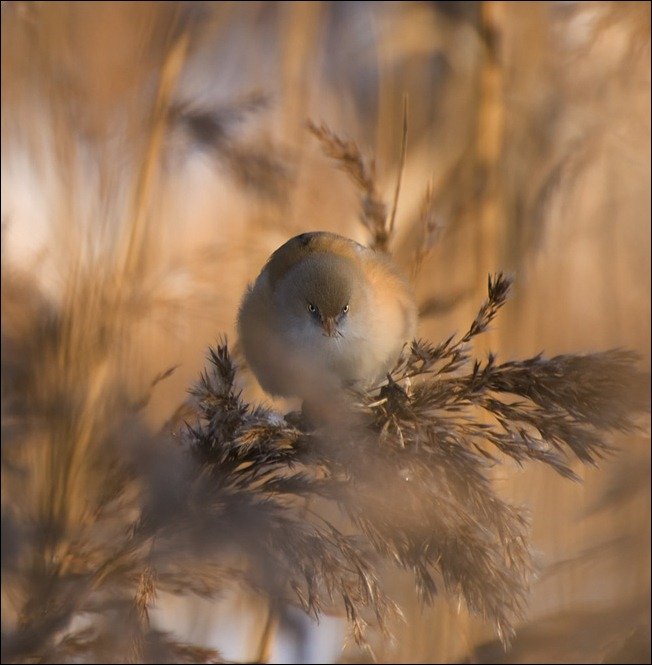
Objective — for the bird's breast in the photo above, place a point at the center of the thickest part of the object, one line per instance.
(349, 354)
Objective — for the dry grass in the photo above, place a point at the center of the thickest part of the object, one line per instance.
(117, 119)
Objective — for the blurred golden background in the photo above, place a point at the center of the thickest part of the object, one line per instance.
(163, 147)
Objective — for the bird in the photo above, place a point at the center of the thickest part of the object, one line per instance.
(325, 313)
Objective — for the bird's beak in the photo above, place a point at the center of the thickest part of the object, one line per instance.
(329, 326)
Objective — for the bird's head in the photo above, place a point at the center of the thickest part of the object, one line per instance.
(322, 293)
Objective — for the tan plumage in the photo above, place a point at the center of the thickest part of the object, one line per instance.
(324, 312)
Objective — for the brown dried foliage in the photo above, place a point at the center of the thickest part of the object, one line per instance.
(100, 513)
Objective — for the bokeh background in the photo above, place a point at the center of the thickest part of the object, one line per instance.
(171, 139)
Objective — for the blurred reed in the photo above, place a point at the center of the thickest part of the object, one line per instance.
(153, 155)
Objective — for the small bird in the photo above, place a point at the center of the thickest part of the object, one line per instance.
(325, 313)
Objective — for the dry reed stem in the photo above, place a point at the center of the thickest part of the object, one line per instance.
(490, 135)
(116, 507)
(431, 227)
(401, 167)
(133, 252)
(268, 634)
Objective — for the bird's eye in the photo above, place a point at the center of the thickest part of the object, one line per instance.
(345, 309)
(311, 308)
